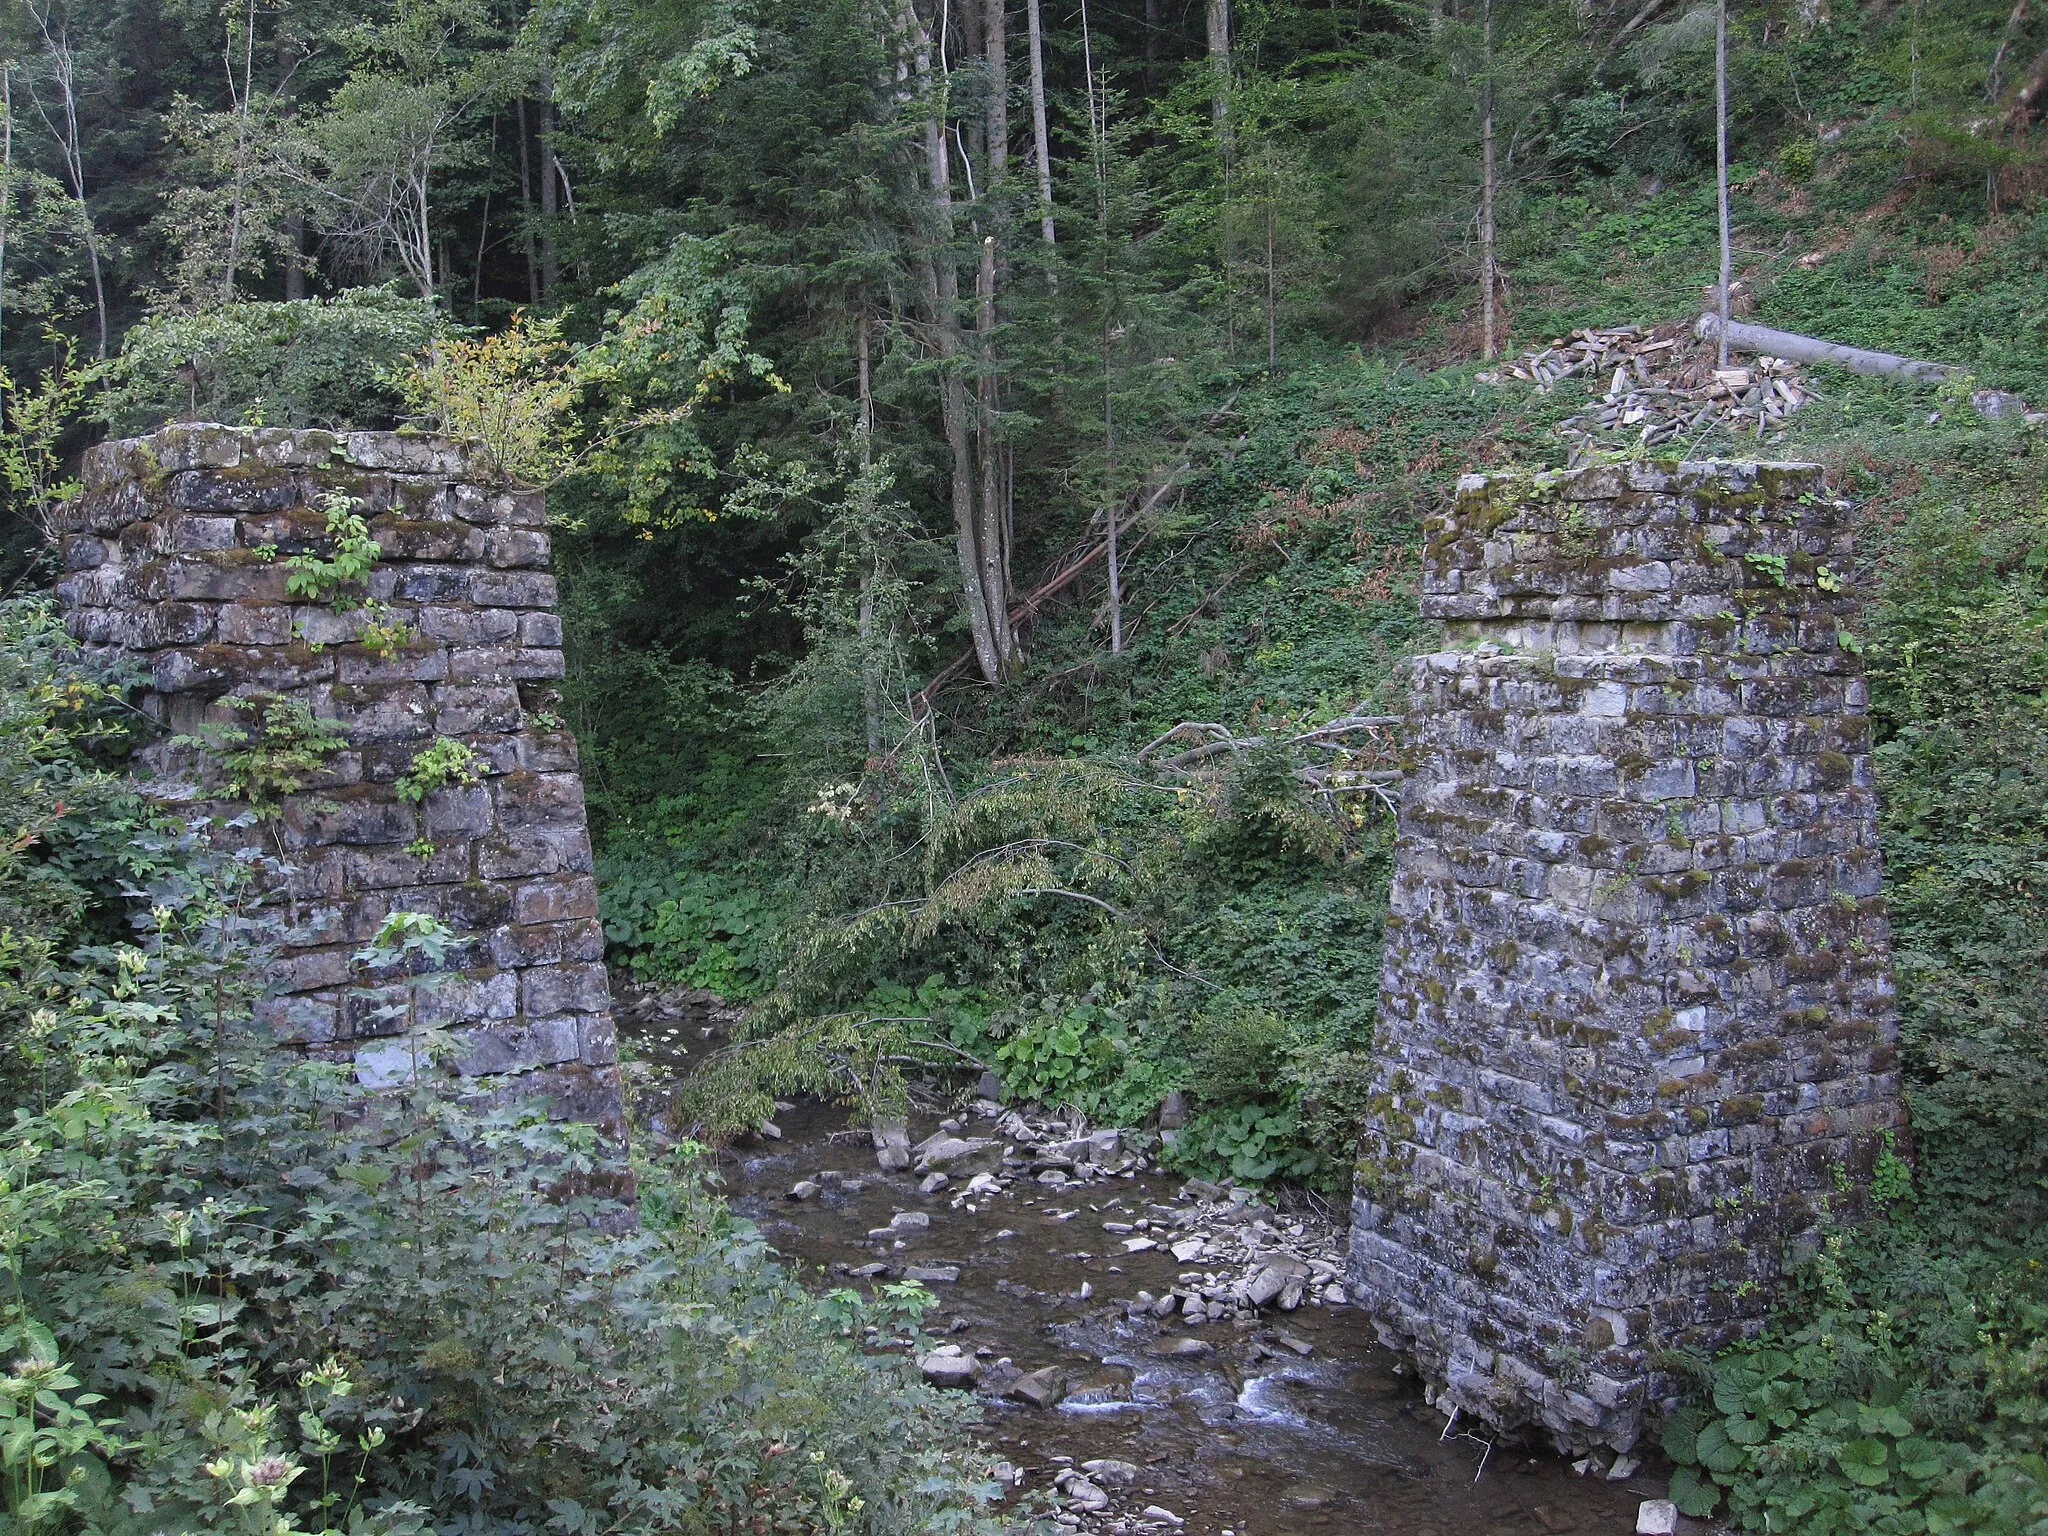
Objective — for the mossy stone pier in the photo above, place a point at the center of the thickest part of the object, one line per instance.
(1636, 1037)
(178, 554)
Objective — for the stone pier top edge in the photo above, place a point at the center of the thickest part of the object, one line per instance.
(217, 445)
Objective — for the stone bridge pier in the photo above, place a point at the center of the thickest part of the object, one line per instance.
(1636, 1032)
(178, 555)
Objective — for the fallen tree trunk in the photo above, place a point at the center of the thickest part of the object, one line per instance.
(1807, 349)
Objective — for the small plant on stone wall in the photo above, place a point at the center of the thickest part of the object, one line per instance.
(282, 746)
(355, 553)
(447, 762)
(383, 634)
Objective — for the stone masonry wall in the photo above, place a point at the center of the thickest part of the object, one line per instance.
(177, 555)
(1636, 1022)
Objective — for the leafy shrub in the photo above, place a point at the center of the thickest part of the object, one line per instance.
(700, 929)
(1902, 1392)
(322, 362)
(249, 1296)
(1251, 1142)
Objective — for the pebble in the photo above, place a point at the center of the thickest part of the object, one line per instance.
(1161, 1516)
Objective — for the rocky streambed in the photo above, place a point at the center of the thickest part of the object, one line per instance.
(1162, 1354)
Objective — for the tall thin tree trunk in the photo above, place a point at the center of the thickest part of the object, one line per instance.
(483, 232)
(550, 190)
(1217, 19)
(243, 98)
(1489, 277)
(6, 181)
(941, 283)
(1151, 46)
(993, 548)
(526, 206)
(66, 132)
(1097, 152)
(1721, 170)
(1039, 139)
(1272, 265)
(870, 675)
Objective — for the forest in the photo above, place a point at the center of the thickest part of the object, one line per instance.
(952, 417)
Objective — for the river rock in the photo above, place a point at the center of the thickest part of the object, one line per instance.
(1173, 1111)
(1202, 1189)
(947, 1366)
(932, 1183)
(1656, 1517)
(1299, 1346)
(1042, 1388)
(910, 1221)
(1084, 1495)
(933, 1274)
(1139, 1245)
(990, 1087)
(1111, 1473)
(892, 1146)
(1272, 1282)
(1161, 1516)
(1183, 1349)
(1165, 1305)
(804, 1189)
(949, 1149)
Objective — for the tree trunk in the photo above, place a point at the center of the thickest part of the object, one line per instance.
(941, 284)
(1039, 140)
(550, 190)
(526, 207)
(1218, 21)
(1721, 172)
(1764, 340)
(6, 181)
(1217, 18)
(993, 546)
(1151, 46)
(1488, 276)
(870, 675)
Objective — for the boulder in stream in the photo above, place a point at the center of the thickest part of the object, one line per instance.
(1042, 1388)
(892, 1146)
(948, 1366)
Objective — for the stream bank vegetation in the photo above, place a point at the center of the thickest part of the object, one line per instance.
(940, 405)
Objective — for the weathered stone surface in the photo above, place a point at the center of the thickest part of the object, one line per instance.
(1636, 1009)
(176, 552)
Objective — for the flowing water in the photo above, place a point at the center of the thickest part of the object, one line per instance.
(1251, 1437)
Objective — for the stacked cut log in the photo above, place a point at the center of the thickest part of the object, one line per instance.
(1658, 389)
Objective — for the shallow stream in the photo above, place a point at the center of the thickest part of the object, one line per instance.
(1296, 1423)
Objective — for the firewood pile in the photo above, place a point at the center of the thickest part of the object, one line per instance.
(1659, 389)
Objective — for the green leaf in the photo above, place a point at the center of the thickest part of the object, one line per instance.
(1692, 1495)
(1863, 1462)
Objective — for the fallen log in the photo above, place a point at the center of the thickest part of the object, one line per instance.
(1808, 349)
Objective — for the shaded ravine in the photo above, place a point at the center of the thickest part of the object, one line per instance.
(1249, 1435)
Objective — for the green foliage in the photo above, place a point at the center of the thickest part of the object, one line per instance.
(700, 929)
(354, 554)
(442, 763)
(1904, 1392)
(283, 746)
(241, 1294)
(37, 419)
(305, 362)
